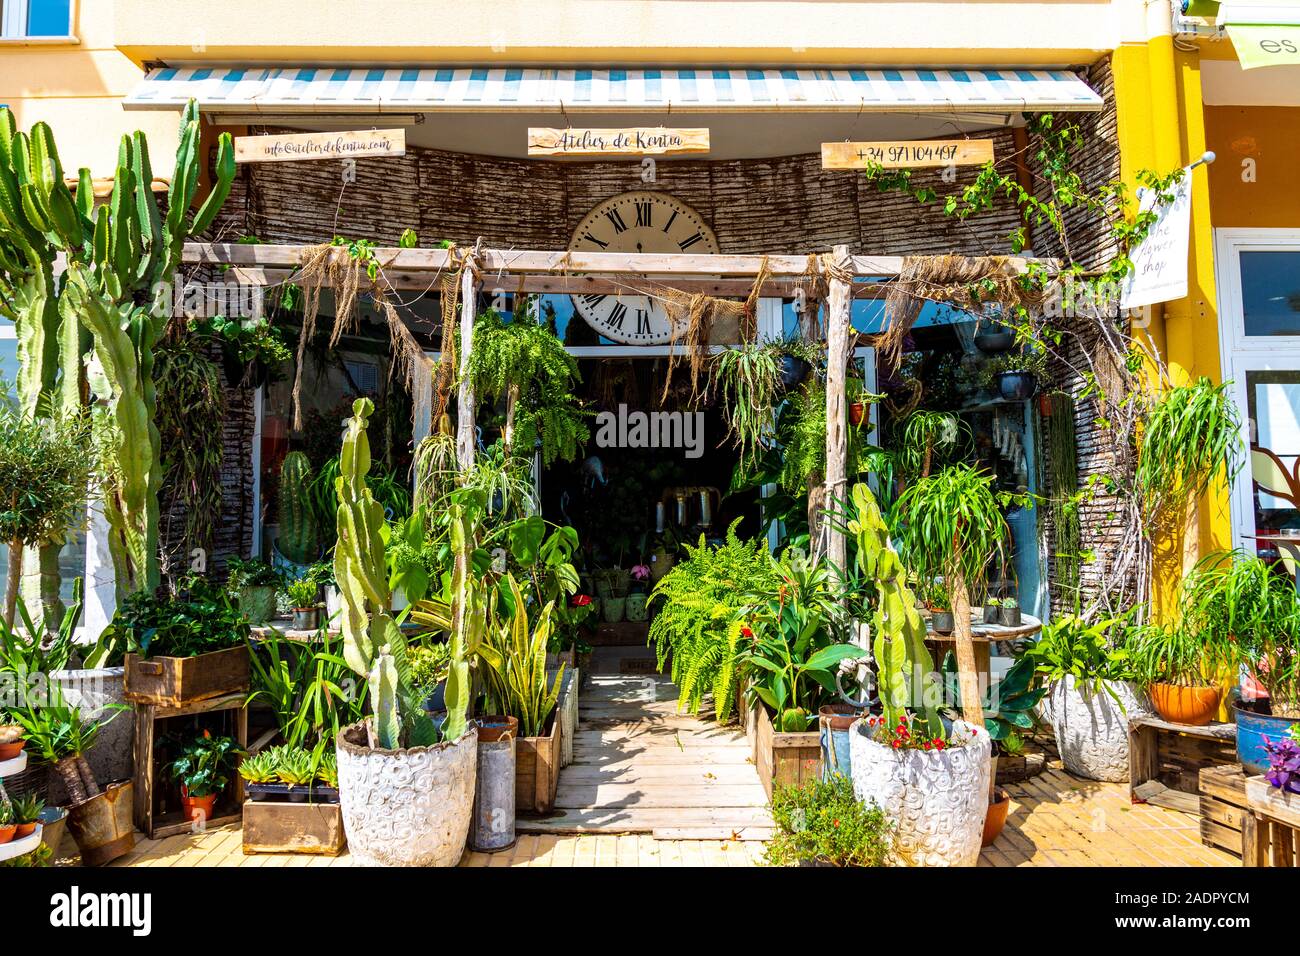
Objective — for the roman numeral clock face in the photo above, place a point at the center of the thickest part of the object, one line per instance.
(637, 222)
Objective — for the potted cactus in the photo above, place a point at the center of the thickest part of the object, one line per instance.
(298, 541)
(406, 783)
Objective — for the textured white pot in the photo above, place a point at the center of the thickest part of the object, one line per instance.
(98, 692)
(406, 807)
(1092, 729)
(936, 799)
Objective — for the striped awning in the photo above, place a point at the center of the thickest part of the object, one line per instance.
(353, 90)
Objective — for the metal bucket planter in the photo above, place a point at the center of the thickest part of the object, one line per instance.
(1092, 729)
(406, 807)
(1252, 728)
(494, 795)
(102, 825)
(936, 799)
(54, 823)
(98, 693)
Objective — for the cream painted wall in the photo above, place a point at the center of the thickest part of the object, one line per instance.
(773, 32)
(77, 88)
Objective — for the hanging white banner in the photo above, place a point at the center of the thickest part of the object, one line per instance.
(1160, 260)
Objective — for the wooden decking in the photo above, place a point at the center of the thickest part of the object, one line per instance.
(641, 767)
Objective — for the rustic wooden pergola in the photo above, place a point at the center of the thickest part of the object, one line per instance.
(541, 272)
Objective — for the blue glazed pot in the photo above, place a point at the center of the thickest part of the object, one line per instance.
(1252, 728)
(835, 720)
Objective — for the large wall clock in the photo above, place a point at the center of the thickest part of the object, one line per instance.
(637, 222)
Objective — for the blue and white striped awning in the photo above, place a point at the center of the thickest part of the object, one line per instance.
(523, 90)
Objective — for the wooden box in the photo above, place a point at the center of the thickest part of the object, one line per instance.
(278, 827)
(1223, 807)
(1271, 830)
(177, 681)
(1166, 759)
(783, 759)
(537, 769)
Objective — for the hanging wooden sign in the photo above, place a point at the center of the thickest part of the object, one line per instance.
(633, 141)
(352, 144)
(903, 154)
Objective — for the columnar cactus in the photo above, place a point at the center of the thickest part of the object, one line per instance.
(121, 261)
(904, 667)
(298, 538)
(373, 644)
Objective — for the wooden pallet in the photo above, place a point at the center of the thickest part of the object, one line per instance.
(1165, 760)
(1271, 831)
(1223, 807)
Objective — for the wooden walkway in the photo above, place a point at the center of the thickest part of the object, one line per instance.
(641, 767)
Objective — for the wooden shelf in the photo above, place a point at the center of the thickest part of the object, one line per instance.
(17, 765)
(22, 846)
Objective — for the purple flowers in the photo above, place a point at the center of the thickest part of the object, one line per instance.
(1284, 764)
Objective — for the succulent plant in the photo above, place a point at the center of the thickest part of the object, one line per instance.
(27, 808)
(259, 768)
(298, 539)
(328, 771)
(293, 766)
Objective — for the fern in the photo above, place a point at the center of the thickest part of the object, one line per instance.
(699, 620)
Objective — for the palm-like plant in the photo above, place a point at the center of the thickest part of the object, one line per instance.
(62, 738)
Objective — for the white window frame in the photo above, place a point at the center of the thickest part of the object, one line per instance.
(13, 24)
(1242, 353)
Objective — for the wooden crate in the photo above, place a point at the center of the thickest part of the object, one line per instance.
(1223, 807)
(1271, 831)
(177, 681)
(281, 827)
(537, 769)
(1165, 760)
(783, 759)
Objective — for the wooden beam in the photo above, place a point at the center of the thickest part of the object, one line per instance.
(838, 323)
(465, 399)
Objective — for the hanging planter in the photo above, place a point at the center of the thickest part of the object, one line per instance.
(1016, 386)
(994, 338)
(791, 370)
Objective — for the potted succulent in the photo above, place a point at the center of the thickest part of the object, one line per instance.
(255, 584)
(202, 769)
(8, 826)
(930, 777)
(11, 741)
(302, 594)
(822, 823)
(1009, 612)
(992, 610)
(27, 809)
(1092, 693)
(406, 784)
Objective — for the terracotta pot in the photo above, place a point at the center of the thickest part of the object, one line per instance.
(24, 830)
(7, 831)
(997, 816)
(857, 412)
(1194, 706)
(197, 808)
(10, 751)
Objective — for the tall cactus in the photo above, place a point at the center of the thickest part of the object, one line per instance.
(298, 538)
(121, 260)
(373, 644)
(904, 667)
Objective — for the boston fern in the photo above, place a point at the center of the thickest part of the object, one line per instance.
(526, 362)
(698, 620)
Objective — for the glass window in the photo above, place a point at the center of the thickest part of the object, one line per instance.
(1273, 399)
(1270, 292)
(37, 18)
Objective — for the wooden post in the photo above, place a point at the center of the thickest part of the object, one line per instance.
(465, 399)
(838, 323)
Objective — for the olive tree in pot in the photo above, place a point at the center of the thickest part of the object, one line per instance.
(1092, 694)
(930, 777)
(406, 785)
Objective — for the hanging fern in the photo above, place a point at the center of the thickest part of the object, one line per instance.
(529, 357)
(699, 622)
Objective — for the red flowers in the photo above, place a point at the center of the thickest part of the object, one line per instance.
(580, 600)
(746, 632)
(901, 736)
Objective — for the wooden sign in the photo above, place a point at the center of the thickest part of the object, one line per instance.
(295, 146)
(634, 140)
(908, 154)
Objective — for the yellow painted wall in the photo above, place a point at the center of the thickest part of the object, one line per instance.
(1270, 136)
(77, 88)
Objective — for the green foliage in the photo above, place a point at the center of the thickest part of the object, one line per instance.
(252, 573)
(1094, 654)
(822, 821)
(246, 341)
(1192, 436)
(302, 592)
(699, 621)
(259, 767)
(748, 382)
(430, 665)
(927, 438)
(1029, 361)
(299, 540)
(199, 619)
(28, 652)
(58, 733)
(294, 766)
(204, 764)
(385, 487)
(27, 808)
(1176, 654)
(514, 655)
(801, 432)
(525, 360)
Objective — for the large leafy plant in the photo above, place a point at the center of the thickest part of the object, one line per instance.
(200, 618)
(514, 655)
(822, 822)
(309, 689)
(204, 764)
(698, 621)
(1093, 653)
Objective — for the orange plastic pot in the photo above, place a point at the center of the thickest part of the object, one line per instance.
(194, 806)
(24, 830)
(997, 816)
(10, 751)
(7, 832)
(1194, 706)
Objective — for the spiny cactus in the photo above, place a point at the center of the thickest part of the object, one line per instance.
(903, 664)
(121, 261)
(373, 644)
(298, 539)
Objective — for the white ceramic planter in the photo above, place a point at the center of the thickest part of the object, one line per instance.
(95, 692)
(406, 807)
(1092, 729)
(936, 799)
